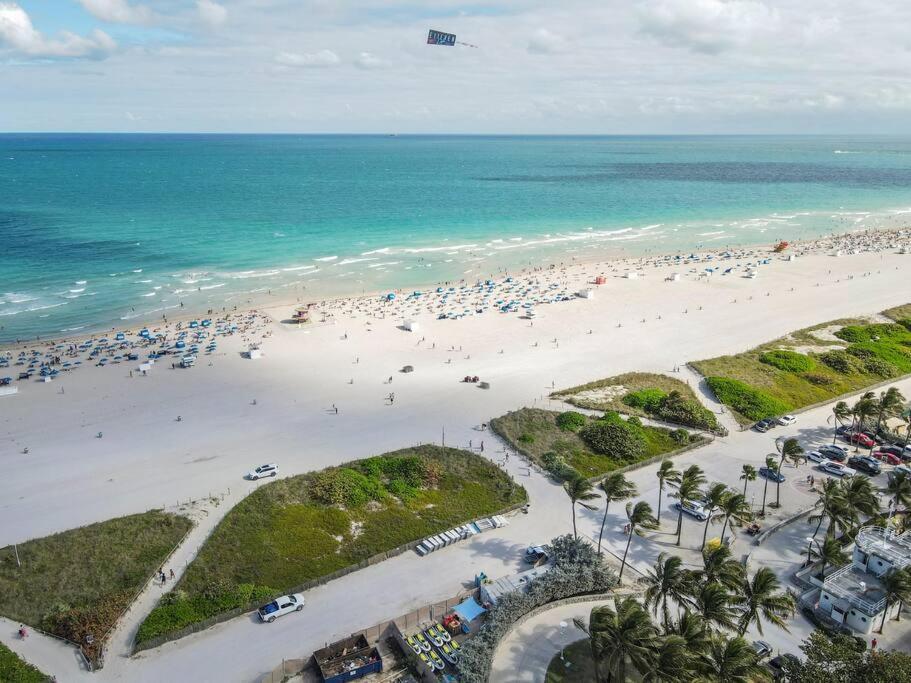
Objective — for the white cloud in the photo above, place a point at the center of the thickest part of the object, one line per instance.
(118, 11)
(18, 35)
(709, 26)
(367, 60)
(211, 13)
(545, 42)
(323, 58)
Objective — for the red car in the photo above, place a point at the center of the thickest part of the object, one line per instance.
(861, 440)
(889, 458)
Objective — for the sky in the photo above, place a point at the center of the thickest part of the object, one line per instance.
(539, 66)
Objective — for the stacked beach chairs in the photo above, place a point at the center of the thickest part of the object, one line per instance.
(459, 533)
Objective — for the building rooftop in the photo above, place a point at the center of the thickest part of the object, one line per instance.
(862, 589)
(893, 547)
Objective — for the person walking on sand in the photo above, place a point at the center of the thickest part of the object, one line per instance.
(172, 573)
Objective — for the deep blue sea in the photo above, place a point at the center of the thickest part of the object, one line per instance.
(97, 231)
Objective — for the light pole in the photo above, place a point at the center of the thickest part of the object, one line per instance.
(563, 626)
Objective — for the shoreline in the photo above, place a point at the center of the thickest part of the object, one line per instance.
(256, 305)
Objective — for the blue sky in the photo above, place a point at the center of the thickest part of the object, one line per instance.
(573, 66)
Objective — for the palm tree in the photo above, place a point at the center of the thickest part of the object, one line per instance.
(692, 628)
(790, 449)
(772, 466)
(667, 579)
(899, 489)
(666, 475)
(689, 489)
(580, 492)
(831, 552)
(831, 504)
(748, 475)
(640, 517)
(731, 660)
(719, 567)
(615, 486)
(860, 499)
(866, 407)
(671, 660)
(714, 604)
(620, 635)
(841, 413)
(891, 403)
(759, 599)
(715, 498)
(734, 507)
(896, 586)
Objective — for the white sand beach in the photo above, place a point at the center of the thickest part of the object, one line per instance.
(183, 434)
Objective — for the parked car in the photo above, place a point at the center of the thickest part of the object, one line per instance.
(771, 474)
(280, 607)
(833, 452)
(873, 436)
(762, 649)
(860, 439)
(864, 464)
(902, 468)
(897, 451)
(777, 664)
(536, 553)
(837, 468)
(693, 509)
(764, 425)
(816, 456)
(786, 420)
(263, 471)
(886, 457)
(842, 430)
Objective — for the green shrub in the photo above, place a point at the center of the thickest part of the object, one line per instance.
(526, 438)
(881, 368)
(571, 421)
(345, 486)
(613, 438)
(674, 408)
(645, 399)
(680, 436)
(15, 670)
(838, 360)
(746, 400)
(818, 380)
(558, 467)
(789, 361)
(889, 352)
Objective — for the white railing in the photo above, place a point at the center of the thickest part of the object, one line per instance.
(885, 543)
(831, 586)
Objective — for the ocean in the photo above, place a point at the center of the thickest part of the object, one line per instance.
(107, 231)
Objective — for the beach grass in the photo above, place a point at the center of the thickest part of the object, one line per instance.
(537, 434)
(15, 670)
(810, 366)
(77, 583)
(300, 529)
(641, 394)
(897, 313)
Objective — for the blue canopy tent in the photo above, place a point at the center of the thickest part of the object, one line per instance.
(469, 610)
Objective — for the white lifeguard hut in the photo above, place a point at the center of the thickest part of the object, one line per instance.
(674, 277)
(631, 275)
(586, 294)
(411, 325)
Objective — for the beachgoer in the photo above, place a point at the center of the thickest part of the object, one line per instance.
(873, 644)
(179, 418)
(172, 573)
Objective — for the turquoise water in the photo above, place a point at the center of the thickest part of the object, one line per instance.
(100, 230)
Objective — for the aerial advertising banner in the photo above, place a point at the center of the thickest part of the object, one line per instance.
(440, 38)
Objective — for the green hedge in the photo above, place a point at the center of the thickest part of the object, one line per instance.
(298, 530)
(789, 361)
(746, 400)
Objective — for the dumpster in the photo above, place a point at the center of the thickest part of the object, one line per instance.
(347, 660)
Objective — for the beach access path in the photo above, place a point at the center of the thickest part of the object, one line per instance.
(148, 459)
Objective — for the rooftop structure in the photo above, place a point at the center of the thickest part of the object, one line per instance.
(885, 543)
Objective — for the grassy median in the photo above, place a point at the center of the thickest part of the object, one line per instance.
(76, 583)
(643, 394)
(810, 366)
(303, 528)
(570, 442)
(15, 670)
